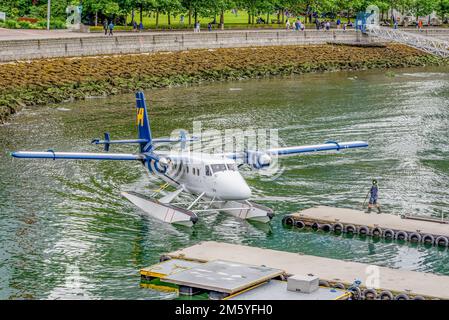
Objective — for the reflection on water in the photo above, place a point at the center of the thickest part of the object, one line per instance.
(66, 233)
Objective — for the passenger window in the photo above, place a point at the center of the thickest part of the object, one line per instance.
(208, 173)
(232, 166)
(187, 168)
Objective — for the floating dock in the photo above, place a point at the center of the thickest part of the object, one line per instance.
(406, 228)
(229, 280)
(391, 283)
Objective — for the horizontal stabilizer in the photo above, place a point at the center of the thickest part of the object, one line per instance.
(76, 155)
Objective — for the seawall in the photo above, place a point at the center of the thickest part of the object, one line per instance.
(125, 43)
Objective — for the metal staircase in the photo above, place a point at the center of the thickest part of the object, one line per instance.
(427, 44)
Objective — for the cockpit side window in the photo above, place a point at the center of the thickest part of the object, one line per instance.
(208, 172)
(218, 167)
(232, 166)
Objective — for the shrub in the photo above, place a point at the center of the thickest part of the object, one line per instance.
(30, 20)
(24, 24)
(42, 23)
(57, 24)
(11, 24)
(35, 26)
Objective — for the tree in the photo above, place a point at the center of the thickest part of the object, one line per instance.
(442, 8)
(423, 7)
(218, 7)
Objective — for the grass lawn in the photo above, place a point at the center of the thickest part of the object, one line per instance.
(149, 20)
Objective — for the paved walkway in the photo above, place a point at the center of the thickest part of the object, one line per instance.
(22, 34)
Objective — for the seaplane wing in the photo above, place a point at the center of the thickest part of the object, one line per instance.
(77, 155)
(259, 159)
(330, 145)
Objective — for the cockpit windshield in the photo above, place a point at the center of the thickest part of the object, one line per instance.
(232, 166)
(218, 167)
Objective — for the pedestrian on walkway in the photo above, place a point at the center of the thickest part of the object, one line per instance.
(105, 26)
(287, 25)
(111, 29)
(373, 196)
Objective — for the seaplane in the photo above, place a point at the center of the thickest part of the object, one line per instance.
(210, 179)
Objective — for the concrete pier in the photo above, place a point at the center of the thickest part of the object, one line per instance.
(380, 225)
(384, 279)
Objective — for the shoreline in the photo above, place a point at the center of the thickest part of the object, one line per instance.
(56, 80)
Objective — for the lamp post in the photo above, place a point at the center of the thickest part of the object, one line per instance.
(48, 14)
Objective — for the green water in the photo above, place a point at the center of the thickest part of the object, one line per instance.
(65, 232)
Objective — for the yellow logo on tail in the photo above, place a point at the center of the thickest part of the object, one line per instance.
(140, 112)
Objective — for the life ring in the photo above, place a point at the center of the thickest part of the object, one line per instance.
(414, 237)
(337, 227)
(164, 258)
(419, 298)
(299, 224)
(364, 230)
(289, 221)
(350, 229)
(401, 235)
(370, 294)
(356, 293)
(315, 226)
(377, 232)
(428, 239)
(339, 285)
(326, 227)
(386, 295)
(401, 296)
(442, 241)
(323, 283)
(388, 234)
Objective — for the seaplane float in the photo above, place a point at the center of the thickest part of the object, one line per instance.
(210, 179)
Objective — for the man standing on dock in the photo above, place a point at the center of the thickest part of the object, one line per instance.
(373, 195)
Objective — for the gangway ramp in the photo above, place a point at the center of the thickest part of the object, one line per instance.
(427, 44)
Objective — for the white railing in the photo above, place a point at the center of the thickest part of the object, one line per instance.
(425, 43)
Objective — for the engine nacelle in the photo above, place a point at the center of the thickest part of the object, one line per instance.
(158, 165)
(258, 160)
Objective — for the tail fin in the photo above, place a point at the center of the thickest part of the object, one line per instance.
(143, 122)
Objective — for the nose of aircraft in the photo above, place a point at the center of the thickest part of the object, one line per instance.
(231, 186)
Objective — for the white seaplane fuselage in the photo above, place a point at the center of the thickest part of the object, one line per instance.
(213, 176)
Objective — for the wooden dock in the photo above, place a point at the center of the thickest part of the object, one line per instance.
(373, 224)
(395, 282)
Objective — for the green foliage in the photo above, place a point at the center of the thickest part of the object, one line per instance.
(24, 24)
(57, 24)
(11, 24)
(121, 10)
